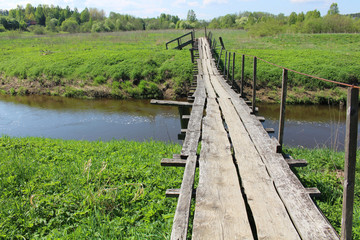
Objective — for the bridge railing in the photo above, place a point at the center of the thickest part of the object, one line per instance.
(226, 60)
(180, 40)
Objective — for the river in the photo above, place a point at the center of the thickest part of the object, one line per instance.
(66, 118)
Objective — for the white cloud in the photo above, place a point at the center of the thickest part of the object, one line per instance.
(207, 2)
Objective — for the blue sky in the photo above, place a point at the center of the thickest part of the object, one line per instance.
(204, 9)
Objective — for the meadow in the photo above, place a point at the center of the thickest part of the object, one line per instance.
(330, 56)
(64, 189)
(114, 65)
(58, 189)
(137, 65)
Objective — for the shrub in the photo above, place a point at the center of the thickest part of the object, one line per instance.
(70, 25)
(2, 28)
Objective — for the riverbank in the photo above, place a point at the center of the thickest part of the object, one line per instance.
(73, 189)
(125, 65)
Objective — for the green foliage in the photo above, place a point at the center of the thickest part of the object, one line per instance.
(329, 56)
(70, 25)
(59, 189)
(88, 60)
(325, 171)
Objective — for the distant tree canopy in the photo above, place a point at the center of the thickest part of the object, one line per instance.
(54, 19)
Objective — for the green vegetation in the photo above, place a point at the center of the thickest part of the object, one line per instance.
(260, 24)
(325, 171)
(77, 189)
(330, 56)
(117, 65)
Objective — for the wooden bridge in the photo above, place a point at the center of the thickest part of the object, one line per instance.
(246, 189)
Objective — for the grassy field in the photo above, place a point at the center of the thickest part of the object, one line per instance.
(325, 171)
(115, 190)
(117, 65)
(330, 56)
(136, 64)
(57, 189)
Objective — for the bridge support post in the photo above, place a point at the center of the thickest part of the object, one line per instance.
(228, 67)
(192, 54)
(225, 64)
(254, 86)
(282, 108)
(219, 58)
(242, 76)
(233, 71)
(352, 108)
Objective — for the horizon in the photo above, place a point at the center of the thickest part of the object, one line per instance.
(204, 9)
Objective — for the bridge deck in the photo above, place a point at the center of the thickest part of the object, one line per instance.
(246, 190)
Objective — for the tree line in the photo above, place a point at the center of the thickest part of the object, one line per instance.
(55, 19)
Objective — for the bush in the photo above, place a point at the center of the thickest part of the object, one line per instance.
(70, 25)
(38, 30)
(2, 28)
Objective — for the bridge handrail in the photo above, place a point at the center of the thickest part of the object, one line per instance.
(178, 38)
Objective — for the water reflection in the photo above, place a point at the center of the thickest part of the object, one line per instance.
(66, 118)
(308, 125)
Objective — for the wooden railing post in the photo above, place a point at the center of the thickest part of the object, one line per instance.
(192, 39)
(282, 108)
(219, 58)
(205, 33)
(242, 76)
(192, 54)
(254, 86)
(228, 67)
(352, 107)
(233, 71)
(225, 64)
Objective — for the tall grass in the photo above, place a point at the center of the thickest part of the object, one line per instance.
(325, 171)
(331, 56)
(127, 64)
(80, 190)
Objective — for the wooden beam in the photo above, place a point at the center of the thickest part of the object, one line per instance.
(313, 192)
(185, 117)
(296, 162)
(170, 103)
(269, 130)
(176, 192)
(173, 162)
(260, 118)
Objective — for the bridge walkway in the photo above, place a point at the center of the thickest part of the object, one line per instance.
(246, 190)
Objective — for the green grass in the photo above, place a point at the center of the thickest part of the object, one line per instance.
(58, 189)
(325, 171)
(124, 64)
(115, 190)
(330, 56)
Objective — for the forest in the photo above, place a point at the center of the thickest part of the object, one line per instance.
(44, 18)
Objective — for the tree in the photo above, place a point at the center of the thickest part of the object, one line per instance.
(334, 9)
(40, 15)
(70, 25)
(293, 18)
(191, 16)
(85, 15)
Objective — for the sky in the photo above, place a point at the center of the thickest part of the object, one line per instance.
(204, 9)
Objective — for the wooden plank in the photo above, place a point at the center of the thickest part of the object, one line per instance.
(176, 192)
(256, 182)
(173, 162)
(296, 162)
(269, 130)
(170, 103)
(209, 88)
(307, 218)
(220, 211)
(313, 192)
(182, 213)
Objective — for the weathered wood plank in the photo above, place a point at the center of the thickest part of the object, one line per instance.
(173, 162)
(170, 103)
(182, 213)
(296, 162)
(220, 212)
(307, 218)
(266, 206)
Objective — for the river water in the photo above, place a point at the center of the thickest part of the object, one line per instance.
(67, 118)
